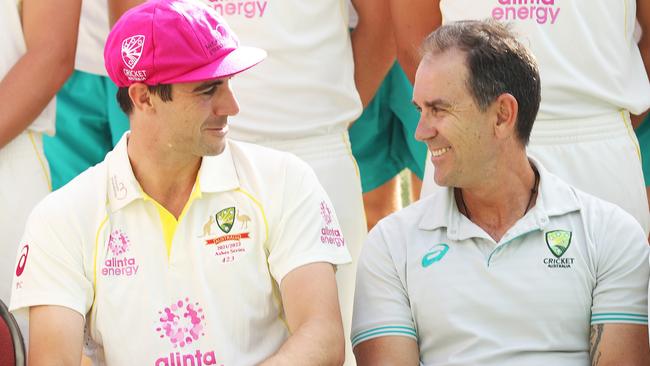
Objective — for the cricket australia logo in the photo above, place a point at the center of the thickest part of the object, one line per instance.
(228, 246)
(226, 218)
(132, 50)
(558, 242)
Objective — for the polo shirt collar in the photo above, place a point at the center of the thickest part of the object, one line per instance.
(555, 198)
(217, 174)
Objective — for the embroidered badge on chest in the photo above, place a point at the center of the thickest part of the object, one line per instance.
(228, 246)
(558, 242)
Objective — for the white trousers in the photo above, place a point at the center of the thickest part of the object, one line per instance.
(599, 155)
(24, 181)
(331, 158)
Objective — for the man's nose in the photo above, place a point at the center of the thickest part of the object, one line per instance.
(225, 103)
(425, 129)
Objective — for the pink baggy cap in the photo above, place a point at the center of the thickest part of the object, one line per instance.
(174, 41)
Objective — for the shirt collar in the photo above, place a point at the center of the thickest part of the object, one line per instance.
(555, 198)
(217, 174)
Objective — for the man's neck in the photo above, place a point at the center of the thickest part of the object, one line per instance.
(499, 201)
(165, 177)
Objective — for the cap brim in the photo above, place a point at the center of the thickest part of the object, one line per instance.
(241, 59)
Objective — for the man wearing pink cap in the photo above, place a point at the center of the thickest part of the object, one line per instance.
(182, 247)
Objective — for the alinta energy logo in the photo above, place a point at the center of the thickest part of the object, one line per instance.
(329, 233)
(119, 264)
(183, 323)
(246, 8)
(540, 11)
(558, 242)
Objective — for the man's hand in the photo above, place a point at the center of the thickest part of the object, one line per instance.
(619, 345)
(310, 301)
(55, 336)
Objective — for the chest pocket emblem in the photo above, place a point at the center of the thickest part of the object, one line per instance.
(434, 255)
(226, 218)
(558, 242)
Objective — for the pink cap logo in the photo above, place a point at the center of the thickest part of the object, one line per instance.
(118, 242)
(181, 323)
(132, 50)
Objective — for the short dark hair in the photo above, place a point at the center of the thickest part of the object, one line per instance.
(164, 91)
(497, 64)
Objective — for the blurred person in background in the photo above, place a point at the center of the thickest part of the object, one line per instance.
(37, 43)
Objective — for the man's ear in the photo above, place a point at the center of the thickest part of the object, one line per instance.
(140, 97)
(506, 109)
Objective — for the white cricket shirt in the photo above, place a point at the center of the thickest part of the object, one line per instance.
(573, 260)
(210, 296)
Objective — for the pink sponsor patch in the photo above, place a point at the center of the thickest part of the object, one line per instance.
(330, 231)
(118, 243)
(181, 323)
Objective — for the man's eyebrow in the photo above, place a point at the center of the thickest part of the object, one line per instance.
(438, 103)
(207, 85)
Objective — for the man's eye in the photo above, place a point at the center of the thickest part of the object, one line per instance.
(210, 91)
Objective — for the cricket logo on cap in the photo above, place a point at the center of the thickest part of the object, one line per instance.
(225, 219)
(132, 50)
(558, 242)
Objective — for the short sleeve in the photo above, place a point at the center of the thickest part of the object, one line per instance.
(49, 268)
(308, 230)
(622, 272)
(381, 304)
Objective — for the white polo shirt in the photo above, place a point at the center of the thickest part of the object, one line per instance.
(573, 260)
(208, 297)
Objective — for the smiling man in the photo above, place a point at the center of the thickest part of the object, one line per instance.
(182, 247)
(508, 265)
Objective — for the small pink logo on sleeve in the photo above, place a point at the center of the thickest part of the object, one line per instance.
(22, 261)
(132, 50)
(330, 232)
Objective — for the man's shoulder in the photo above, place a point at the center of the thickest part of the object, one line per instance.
(78, 198)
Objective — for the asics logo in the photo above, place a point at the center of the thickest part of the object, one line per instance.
(434, 255)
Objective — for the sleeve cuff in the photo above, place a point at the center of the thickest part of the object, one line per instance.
(388, 330)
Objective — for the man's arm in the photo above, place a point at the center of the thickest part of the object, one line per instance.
(373, 45)
(310, 301)
(37, 76)
(390, 350)
(55, 336)
(619, 344)
(413, 20)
